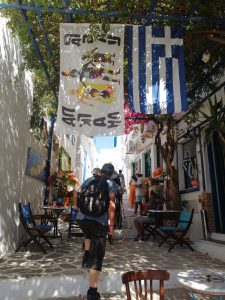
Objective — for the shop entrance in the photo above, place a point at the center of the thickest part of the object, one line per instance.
(217, 177)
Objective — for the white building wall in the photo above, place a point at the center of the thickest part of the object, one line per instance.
(76, 147)
(87, 149)
(16, 90)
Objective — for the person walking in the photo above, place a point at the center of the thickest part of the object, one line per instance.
(139, 192)
(122, 180)
(96, 219)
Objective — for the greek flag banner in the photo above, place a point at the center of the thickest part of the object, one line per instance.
(156, 77)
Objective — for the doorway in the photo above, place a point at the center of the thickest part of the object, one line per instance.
(147, 162)
(217, 178)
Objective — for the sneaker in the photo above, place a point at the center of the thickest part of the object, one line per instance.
(84, 261)
(93, 296)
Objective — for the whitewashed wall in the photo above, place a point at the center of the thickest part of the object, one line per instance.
(16, 91)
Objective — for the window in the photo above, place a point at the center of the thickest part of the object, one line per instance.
(190, 166)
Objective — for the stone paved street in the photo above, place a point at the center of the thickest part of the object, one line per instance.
(58, 273)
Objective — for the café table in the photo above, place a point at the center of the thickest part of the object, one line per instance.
(54, 211)
(204, 282)
(161, 216)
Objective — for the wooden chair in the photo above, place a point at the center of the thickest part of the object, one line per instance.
(74, 229)
(177, 233)
(35, 231)
(142, 281)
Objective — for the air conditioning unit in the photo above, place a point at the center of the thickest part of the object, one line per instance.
(130, 147)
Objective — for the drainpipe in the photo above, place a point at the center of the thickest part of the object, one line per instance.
(48, 162)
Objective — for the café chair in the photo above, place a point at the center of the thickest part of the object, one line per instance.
(74, 229)
(35, 231)
(178, 232)
(142, 283)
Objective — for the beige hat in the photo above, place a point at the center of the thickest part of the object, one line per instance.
(96, 171)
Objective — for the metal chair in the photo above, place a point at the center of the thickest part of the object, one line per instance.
(177, 233)
(35, 231)
(142, 281)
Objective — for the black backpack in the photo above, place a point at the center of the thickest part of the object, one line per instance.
(93, 200)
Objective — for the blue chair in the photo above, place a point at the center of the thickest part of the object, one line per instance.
(35, 232)
(74, 229)
(177, 233)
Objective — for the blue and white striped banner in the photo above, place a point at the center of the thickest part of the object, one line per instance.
(156, 76)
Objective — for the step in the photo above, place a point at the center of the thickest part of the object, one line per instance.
(218, 236)
(54, 287)
(215, 249)
(175, 294)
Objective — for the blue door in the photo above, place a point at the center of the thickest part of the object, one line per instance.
(217, 177)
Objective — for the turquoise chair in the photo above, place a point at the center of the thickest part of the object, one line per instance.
(177, 233)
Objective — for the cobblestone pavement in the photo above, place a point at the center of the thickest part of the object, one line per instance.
(123, 255)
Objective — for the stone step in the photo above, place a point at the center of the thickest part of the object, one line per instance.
(74, 286)
(170, 294)
(215, 249)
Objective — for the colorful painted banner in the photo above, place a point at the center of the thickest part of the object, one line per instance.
(156, 77)
(91, 93)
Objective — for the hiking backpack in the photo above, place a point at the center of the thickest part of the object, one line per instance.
(93, 200)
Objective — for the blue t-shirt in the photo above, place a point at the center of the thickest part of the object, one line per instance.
(113, 187)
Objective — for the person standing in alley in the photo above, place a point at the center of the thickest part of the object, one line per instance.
(132, 184)
(122, 180)
(139, 192)
(96, 218)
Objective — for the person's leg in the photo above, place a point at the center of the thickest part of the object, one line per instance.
(139, 224)
(141, 208)
(87, 244)
(93, 278)
(135, 207)
(95, 258)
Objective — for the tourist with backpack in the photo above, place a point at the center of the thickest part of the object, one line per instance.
(96, 218)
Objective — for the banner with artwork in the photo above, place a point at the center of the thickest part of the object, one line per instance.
(91, 93)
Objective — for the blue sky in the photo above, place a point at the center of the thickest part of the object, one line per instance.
(104, 142)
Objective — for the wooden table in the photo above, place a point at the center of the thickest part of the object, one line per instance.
(54, 210)
(204, 282)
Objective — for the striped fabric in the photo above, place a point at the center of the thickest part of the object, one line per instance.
(156, 77)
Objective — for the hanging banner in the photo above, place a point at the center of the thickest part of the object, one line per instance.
(156, 75)
(91, 93)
